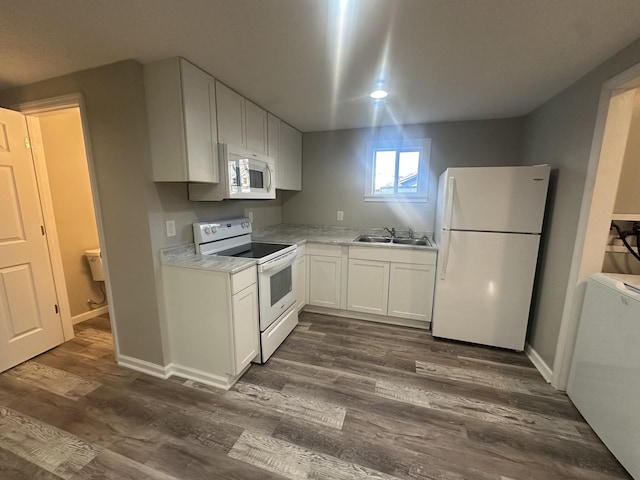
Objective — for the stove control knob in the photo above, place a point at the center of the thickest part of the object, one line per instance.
(207, 230)
(214, 229)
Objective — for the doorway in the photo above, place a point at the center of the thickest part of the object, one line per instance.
(71, 209)
(72, 202)
(619, 100)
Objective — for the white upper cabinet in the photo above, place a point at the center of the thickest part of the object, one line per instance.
(273, 140)
(230, 110)
(255, 127)
(181, 108)
(240, 121)
(189, 113)
(289, 164)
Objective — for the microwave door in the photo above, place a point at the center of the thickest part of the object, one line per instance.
(263, 176)
(245, 176)
(234, 177)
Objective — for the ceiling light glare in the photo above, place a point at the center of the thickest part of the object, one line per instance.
(378, 94)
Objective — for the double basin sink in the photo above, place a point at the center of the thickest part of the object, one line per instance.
(422, 242)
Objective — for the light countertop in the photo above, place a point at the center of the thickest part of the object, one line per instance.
(301, 234)
(185, 255)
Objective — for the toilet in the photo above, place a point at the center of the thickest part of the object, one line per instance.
(95, 262)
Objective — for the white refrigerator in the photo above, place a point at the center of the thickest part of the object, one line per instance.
(488, 224)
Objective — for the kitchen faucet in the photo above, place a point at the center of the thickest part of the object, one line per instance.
(392, 232)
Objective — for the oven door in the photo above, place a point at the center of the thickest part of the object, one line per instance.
(276, 280)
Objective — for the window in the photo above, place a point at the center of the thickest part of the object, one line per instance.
(397, 170)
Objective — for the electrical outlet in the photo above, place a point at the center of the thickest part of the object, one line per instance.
(171, 228)
(340, 215)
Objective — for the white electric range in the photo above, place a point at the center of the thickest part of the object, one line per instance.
(276, 275)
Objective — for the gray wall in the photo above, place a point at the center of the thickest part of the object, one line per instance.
(134, 208)
(114, 98)
(333, 171)
(560, 133)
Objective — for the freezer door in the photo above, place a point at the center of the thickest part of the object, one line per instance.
(483, 287)
(495, 199)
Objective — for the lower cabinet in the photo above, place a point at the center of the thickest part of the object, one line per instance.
(392, 282)
(368, 286)
(411, 291)
(245, 314)
(326, 273)
(212, 323)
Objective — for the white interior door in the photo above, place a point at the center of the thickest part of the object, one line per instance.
(29, 320)
(483, 288)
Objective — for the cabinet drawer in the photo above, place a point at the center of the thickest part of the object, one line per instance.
(273, 336)
(394, 254)
(241, 280)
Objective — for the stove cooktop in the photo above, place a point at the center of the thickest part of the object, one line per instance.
(254, 250)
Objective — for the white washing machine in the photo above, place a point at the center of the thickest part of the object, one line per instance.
(604, 382)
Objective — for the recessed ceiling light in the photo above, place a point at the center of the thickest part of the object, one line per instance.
(378, 94)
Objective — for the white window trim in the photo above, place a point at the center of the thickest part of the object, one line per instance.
(423, 169)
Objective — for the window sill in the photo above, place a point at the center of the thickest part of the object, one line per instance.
(395, 199)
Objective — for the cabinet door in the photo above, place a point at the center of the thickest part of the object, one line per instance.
(245, 327)
(230, 110)
(273, 142)
(411, 291)
(255, 127)
(325, 275)
(368, 286)
(181, 112)
(290, 158)
(200, 126)
(301, 282)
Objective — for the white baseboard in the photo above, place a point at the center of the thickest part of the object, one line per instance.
(403, 322)
(539, 363)
(143, 366)
(90, 314)
(220, 381)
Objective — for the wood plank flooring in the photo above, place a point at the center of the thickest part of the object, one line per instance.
(341, 399)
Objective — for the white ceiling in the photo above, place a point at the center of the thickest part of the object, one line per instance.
(302, 60)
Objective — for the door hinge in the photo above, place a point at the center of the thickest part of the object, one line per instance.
(42, 229)
(27, 143)
(56, 307)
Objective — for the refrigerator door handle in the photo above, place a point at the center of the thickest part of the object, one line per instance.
(444, 254)
(448, 214)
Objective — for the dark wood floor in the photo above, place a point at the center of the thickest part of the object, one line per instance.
(341, 399)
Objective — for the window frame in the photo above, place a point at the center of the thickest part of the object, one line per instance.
(411, 145)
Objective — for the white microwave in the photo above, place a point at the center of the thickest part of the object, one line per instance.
(243, 175)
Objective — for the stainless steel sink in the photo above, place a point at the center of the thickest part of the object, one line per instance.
(372, 239)
(423, 242)
(412, 241)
